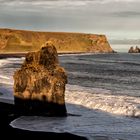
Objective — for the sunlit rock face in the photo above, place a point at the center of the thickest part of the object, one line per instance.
(39, 85)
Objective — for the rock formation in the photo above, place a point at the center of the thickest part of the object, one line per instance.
(134, 50)
(131, 50)
(137, 50)
(39, 85)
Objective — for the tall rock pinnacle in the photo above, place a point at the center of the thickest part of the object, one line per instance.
(39, 85)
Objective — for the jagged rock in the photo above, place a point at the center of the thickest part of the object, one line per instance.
(39, 85)
(132, 50)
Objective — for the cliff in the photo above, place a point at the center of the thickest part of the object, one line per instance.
(24, 41)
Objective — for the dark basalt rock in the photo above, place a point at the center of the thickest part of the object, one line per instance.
(39, 85)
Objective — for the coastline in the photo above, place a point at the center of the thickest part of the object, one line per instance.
(22, 54)
(15, 55)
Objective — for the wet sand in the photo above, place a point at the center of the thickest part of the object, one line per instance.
(7, 115)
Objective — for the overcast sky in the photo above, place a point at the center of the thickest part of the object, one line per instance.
(115, 18)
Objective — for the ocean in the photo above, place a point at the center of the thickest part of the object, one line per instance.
(103, 94)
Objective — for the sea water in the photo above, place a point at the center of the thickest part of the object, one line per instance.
(103, 94)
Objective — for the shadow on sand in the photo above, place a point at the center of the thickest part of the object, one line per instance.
(7, 115)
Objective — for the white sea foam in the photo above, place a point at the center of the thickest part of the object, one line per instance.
(6, 71)
(3, 62)
(103, 100)
(6, 82)
(4, 77)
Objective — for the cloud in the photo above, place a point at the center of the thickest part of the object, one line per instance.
(71, 15)
(57, 3)
(44, 3)
(36, 5)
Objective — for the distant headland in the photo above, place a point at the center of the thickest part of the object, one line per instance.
(21, 41)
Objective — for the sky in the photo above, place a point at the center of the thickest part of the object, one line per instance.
(118, 19)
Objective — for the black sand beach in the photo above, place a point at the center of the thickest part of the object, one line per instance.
(7, 115)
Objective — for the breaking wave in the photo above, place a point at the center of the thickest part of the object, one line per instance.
(103, 100)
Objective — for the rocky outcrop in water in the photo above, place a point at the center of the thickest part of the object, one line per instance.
(39, 85)
(134, 50)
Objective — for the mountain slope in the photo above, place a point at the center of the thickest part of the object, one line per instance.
(24, 41)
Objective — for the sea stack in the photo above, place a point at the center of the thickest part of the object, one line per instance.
(39, 86)
(134, 50)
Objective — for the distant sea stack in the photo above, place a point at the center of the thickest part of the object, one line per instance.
(134, 50)
(39, 85)
(12, 41)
